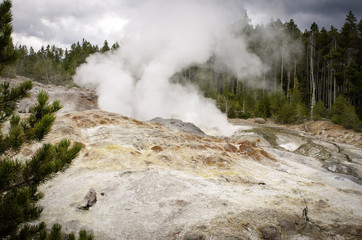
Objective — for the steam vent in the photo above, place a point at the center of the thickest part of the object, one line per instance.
(167, 179)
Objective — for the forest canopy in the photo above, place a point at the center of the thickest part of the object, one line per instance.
(305, 72)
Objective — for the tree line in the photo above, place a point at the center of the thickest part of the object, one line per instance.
(53, 65)
(312, 74)
(306, 71)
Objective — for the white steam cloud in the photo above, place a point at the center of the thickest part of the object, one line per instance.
(161, 38)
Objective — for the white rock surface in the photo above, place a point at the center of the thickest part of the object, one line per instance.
(163, 184)
(154, 182)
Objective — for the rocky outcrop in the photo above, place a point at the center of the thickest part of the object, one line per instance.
(171, 181)
(159, 183)
(72, 99)
(176, 124)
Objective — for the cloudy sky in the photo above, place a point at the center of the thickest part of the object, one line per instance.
(41, 22)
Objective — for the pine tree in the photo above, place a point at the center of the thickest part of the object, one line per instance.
(7, 52)
(105, 47)
(19, 179)
(345, 114)
(320, 111)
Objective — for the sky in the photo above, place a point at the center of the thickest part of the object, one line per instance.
(42, 22)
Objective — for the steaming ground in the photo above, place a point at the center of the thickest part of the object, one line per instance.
(154, 182)
(160, 39)
(170, 181)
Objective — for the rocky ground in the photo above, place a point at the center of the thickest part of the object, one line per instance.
(72, 99)
(323, 128)
(156, 181)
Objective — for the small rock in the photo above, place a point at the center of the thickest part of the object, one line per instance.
(259, 121)
(25, 106)
(89, 200)
(157, 149)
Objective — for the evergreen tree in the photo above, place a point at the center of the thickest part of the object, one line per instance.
(7, 52)
(320, 111)
(105, 47)
(115, 46)
(19, 178)
(345, 114)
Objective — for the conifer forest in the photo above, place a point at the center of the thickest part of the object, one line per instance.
(310, 74)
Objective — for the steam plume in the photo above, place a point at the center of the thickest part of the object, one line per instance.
(163, 37)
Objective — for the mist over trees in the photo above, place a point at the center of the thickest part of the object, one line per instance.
(304, 72)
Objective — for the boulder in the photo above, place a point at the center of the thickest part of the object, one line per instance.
(89, 200)
(176, 124)
(259, 121)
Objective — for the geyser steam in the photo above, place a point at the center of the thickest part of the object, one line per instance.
(163, 37)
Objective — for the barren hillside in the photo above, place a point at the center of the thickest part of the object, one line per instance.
(158, 182)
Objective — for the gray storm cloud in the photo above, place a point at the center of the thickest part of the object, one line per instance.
(161, 38)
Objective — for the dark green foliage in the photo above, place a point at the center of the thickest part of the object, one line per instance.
(105, 47)
(71, 236)
(337, 66)
(338, 109)
(28, 231)
(19, 179)
(350, 119)
(55, 233)
(55, 65)
(337, 69)
(345, 114)
(84, 236)
(9, 98)
(320, 111)
(276, 102)
(50, 159)
(289, 114)
(299, 113)
(9, 171)
(7, 53)
(17, 206)
(40, 232)
(42, 109)
(35, 127)
(262, 107)
(285, 114)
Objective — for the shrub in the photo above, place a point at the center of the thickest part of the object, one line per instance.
(320, 111)
(338, 109)
(345, 114)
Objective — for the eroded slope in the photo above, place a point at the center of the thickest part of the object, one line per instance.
(157, 183)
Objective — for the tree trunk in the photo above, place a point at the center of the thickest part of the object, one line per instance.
(330, 89)
(295, 72)
(226, 105)
(335, 87)
(312, 80)
(275, 79)
(281, 69)
(288, 94)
